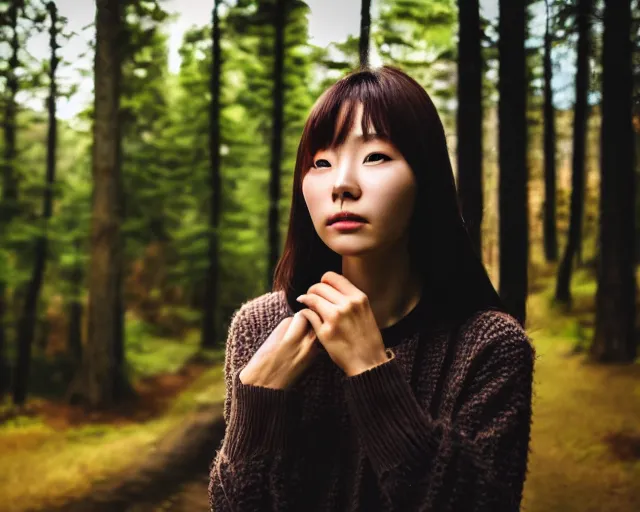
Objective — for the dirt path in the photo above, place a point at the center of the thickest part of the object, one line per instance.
(189, 497)
(175, 478)
(585, 439)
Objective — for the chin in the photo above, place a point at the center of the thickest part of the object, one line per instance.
(348, 244)
(350, 248)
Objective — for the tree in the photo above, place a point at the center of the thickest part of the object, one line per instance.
(9, 200)
(550, 231)
(635, 31)
(580, 122)
(143, 116)
(514, 228)
(614, 337)
(209, 332)
(279, 21)
(9, 204)
(365, 27)
(418, 36)
(28, 320)
(469, 119)
(277, 98)
(246, 125)
(99, 379)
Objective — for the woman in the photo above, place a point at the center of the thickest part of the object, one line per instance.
(381, 374)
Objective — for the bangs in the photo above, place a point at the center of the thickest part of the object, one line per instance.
(333, 116)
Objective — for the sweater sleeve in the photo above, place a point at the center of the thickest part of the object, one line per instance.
(250, 470)
(473, 461)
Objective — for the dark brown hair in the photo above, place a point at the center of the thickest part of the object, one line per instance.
(440, 249)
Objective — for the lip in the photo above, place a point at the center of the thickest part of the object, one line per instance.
(347, 225)
(345, 217)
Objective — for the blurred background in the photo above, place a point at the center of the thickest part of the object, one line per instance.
(146, 162)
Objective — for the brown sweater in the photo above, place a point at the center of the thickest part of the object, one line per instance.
(444, 425)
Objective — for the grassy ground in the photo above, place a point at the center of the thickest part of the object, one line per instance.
(585, 448)
(585, 440)
(53, 451)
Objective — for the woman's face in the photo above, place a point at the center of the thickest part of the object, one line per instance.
(369, 178)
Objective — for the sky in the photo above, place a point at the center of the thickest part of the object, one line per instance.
(329, 21)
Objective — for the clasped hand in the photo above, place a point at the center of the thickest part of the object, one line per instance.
(344, 323)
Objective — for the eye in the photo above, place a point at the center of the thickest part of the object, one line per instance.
(320, 163)
(383, 157)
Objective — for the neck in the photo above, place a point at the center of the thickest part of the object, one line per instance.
(386, 279)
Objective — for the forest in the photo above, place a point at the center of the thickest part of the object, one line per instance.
(131, 231)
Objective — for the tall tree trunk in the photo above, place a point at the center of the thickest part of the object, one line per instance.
(469, 120)
(122, 386)
(513, 203)
(74, 339)
(9, 203)
(28, 321)
(550, 231)
(276, 139)
(210, 305)
(614, 338)
(580, 122)
(635, 29)
(636, 125)
(365, 29)
(97, 381)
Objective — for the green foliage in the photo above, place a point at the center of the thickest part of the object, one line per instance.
(144, 115)
(147, 354)
(419, 36)
(247, 83)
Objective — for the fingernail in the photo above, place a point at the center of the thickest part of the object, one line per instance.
(299, 296)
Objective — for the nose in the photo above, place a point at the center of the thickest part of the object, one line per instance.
(345, 184)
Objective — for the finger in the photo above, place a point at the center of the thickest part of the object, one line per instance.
(308, 341)
(318, 304)
(328, 292)
(340, 283)
(297, 326)
(283, 327)
(305, 321)
(313, 318)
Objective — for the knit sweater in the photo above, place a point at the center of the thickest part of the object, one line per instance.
(443, 425)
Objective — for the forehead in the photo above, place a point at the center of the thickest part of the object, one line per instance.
(354, 129)
(356, 125)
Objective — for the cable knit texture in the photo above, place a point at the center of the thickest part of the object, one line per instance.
(444, 425)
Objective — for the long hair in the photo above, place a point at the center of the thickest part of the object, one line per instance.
(440, 249)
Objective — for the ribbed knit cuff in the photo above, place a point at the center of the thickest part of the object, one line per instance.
(392, 426)
(260, 419)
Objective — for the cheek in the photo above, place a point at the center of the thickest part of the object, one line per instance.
(396, 199)
(311, 196)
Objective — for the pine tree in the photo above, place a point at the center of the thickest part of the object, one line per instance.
(614, 338)
(99, 380)
(513, 201)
